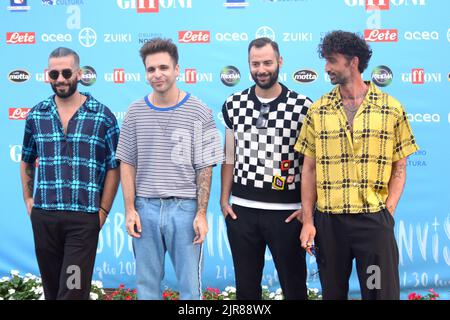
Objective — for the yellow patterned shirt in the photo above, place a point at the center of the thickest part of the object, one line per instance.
(353, 172)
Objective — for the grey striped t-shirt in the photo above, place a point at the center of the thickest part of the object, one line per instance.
(167, 145)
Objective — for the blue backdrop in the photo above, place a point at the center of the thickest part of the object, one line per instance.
(410, 39)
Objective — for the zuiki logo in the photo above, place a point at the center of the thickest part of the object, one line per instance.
(19, 76)
(89, 76)
(382, 76)
(305, 76)
(230, 76)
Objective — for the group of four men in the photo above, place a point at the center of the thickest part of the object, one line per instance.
(323, 178)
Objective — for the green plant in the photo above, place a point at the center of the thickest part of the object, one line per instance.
(121, 294)
(431, 295)
(18, 287)
(212, 294)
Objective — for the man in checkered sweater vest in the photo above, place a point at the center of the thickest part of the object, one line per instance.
(262, 172)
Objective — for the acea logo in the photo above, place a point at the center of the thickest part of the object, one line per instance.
(382, 76)
(19, 76)
(230, 76)
(235, 4)
(89, 76)
(305, 76)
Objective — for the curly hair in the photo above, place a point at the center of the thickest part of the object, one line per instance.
(346, 43)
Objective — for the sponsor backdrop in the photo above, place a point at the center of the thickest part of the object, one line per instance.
(410, 39)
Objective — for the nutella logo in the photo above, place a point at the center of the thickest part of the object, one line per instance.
(194, 36)
(381, 35)
(377, 5)
(18, 113)
(119, 76)
(20, 38)
(418, 76)
(190, 76)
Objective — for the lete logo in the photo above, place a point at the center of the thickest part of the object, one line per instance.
(20, 38)
(18, 113)
(381, 35)
(194, 36)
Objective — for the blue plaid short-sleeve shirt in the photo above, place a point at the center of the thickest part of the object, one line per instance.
(72, 167)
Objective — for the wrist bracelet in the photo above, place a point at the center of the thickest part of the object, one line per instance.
(104, 210)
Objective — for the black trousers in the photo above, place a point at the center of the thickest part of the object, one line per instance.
(249, 234)
(65, 244)
(367, 238)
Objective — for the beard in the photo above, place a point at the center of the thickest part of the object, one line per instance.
(65, 93)
(273, 78)
(337, 78)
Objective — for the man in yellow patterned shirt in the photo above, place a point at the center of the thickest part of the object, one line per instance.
(355, 141)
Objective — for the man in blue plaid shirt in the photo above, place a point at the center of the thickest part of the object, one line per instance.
(74, 138)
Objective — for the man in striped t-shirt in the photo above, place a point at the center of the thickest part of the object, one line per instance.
(167, 149)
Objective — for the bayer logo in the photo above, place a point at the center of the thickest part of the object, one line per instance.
(266, 32)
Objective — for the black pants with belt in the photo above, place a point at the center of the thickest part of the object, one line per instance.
(249, 235)
(65, 245)
(367, 238)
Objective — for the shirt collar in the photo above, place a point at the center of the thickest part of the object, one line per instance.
(373, 95)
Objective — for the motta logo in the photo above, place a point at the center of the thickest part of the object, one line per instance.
(381, 35)
(305, 76)
(194, 36)
(153, 6)
(19, 76)
(20, 37)
(18, 113)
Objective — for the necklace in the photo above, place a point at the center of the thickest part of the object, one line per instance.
(163, 128)
(358, 96)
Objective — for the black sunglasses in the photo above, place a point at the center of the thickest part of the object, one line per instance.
(66, 73)
(263, 117)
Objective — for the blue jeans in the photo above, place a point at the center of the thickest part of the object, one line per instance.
(167, 226)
